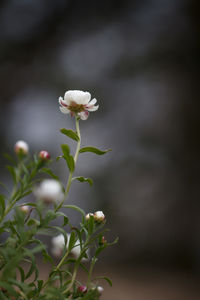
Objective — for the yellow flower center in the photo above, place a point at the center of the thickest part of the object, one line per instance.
(76, 108)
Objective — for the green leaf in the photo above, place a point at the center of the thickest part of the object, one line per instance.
(65, 221)
(47, 257)
(49, 172)
(94, 150)
(105, 278)
(72, 240)
(4, 186)
(40, 284)
(22, 274)
(9, 288)
(10, 158)
(69, 158)
(65, 218)
(70, 133)
(75, 208)
(13, 173)
(65, 149)
(2, 204)
(84, 179)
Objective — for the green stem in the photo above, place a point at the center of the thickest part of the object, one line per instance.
(73, 278)
(57, 267)
(91, 270)
(69, 181)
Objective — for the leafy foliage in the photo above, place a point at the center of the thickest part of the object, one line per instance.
(22, 224)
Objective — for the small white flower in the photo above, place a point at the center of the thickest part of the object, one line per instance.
(100, 290)
(59, 244)
(50, 191)
(99, 216)
(77, 103)
(22, 147)
(87, 217)
(24, 208)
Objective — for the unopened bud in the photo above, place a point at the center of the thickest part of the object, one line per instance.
(88, 216)
(82, 289)
(24, 208)
(99, 216)
(100, 290)
(21, 147)
(103, 241)
(44, 155)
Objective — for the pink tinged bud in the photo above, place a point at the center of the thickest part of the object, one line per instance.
(99, 216)
(21, 147)
(24, 208)
(44, 155)
(87, 217)
(82, 289)
(100, 290)
(103, 241)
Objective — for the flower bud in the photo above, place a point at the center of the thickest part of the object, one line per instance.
(24, 208)
(99, 216)
(102, 241)
(49, 191)
(44, 155)
(87, 217)
(100, 290)
(21, 147)
(82, 289)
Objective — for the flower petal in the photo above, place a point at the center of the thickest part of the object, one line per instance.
(92, 102)
(93, 108)
(77, 96)
(60, 99)
(64, 110)
(83, 115)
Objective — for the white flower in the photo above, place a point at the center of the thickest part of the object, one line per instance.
(22, 147)
(77, 103)
(24, 208)
(100, 290)
(50, 191)
(99, 216)
(87, 217)
(59, 244)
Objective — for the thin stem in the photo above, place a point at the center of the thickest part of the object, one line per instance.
(90, 270)
(73, 278)
(57, 267)
(69, 181)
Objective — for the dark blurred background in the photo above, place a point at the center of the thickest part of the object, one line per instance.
(140, 59)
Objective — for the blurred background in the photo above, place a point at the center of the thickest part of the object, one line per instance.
(140, 59)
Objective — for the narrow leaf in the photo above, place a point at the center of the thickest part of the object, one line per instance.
(84, 179)
(69, 158)
(75, 208)
(2, 204)
(94, 150)
(72, 240)
(49, 172)
(105, 278)
(70, 133)
(13, 173)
